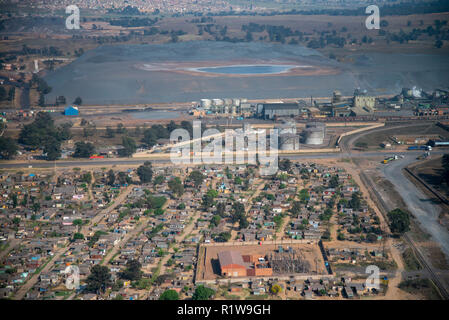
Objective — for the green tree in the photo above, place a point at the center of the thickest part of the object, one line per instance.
(42, 133)
(438, 44)
(129, 146)
(78, 236)
(11, 93)
(169, 295)
(87, 177)
(111, 177)
(78, 101)
(221, 209)
(159, 180)
(285, 165)
(120, 128)
(203, 293)
(445, 165)
(197, 177)
(110, 133)
(333, 182)
(99, 279)
(275, 289)
(355, 201)
(224, 237)
(83, 149)
(399, 221)
(181, 206)
(52, 148)
(132, 271)
(78, 222)
(2, 93)
(215, 220)
(176, 186)
(8, 148)
(145, 172)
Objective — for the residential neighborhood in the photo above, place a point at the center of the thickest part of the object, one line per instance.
(150, 227)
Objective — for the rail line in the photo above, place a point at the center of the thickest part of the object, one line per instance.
(384, 210)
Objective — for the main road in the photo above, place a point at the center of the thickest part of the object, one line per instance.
(165, 159)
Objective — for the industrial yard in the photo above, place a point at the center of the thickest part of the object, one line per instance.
(209, 268)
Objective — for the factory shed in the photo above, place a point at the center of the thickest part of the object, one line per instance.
(232, 264)
(271, 110)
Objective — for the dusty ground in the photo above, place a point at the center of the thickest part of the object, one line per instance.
(431, 172)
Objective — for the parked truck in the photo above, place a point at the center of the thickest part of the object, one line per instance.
(429, 148)
(386, 160)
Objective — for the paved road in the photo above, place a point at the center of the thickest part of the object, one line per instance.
(419, 204)
(135, 162)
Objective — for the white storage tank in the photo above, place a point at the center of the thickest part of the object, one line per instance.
(228, 102)
(206, 103)
(289, 141)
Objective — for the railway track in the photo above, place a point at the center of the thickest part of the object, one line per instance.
(384, 210)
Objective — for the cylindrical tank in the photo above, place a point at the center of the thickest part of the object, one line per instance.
(288, 127)
(206, 103)
(236, 102)
(288, 141)
(314, 136)
(228, 102)
(336, 97)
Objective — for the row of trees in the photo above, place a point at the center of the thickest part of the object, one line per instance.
(99, 278)
(7, 95)
(201, 293)
(43, 134)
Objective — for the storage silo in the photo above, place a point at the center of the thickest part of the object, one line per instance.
(228, 102)
(206, 104)
(314, 133)
(336, 96)
(287, 127)
(289, 141)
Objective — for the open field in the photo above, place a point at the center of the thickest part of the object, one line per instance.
(374, 139)
(431, 172)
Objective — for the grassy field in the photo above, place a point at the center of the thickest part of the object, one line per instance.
(422, 287)
(410, 261)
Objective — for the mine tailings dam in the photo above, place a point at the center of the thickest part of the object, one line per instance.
(190, 71)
